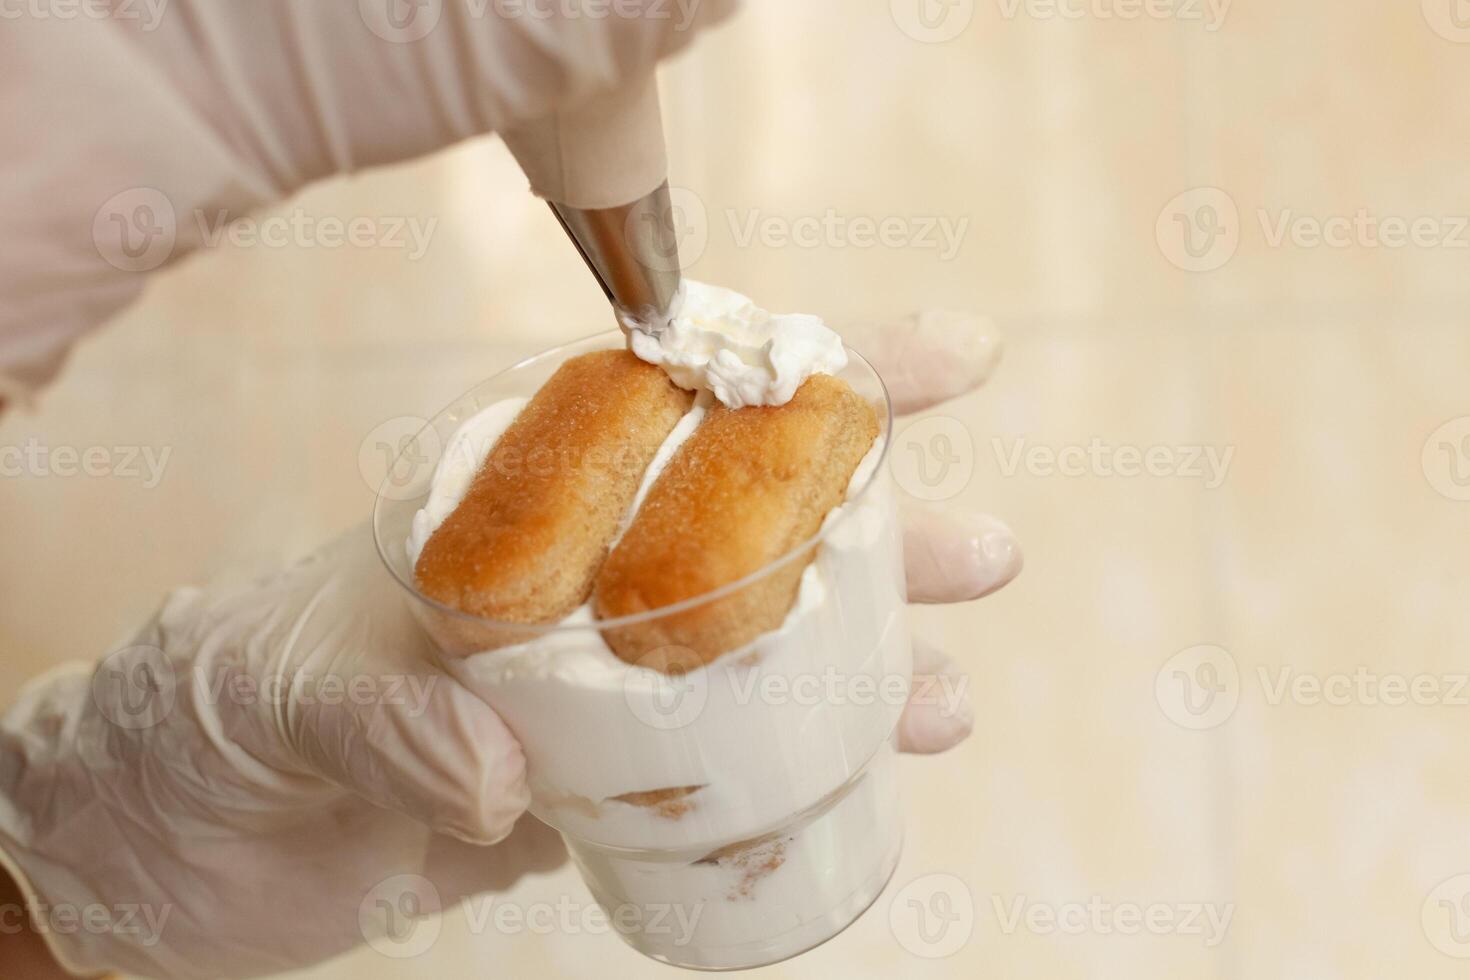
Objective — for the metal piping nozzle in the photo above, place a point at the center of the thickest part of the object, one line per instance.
(633, 252)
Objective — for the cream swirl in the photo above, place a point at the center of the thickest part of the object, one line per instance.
(719, 341)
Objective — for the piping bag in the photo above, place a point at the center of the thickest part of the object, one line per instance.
(603, 168)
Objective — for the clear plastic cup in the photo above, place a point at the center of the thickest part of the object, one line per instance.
(739, 813)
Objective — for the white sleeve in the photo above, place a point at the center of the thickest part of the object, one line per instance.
(118, 132)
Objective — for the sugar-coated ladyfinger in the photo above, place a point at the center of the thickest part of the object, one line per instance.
(745, 489)
(526, 542)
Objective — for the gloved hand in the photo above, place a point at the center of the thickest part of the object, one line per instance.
(120, 132)
(247, 767)
(246, 770)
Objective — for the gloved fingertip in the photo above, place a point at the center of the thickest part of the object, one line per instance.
(969, 345)
(930, 357)
(938, 715)
(502, 800)
(441, 757)
(956, 556)
(998, 560)
(925, 732)
(481, 805)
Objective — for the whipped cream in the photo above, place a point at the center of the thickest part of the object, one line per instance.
(462, 459)
(719, 341)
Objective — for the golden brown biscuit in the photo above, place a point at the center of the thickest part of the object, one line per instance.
(748, 487)
(525, 543)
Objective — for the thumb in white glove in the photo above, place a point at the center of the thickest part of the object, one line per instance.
(217, 776)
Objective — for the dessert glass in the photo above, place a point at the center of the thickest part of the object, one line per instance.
(727, 817)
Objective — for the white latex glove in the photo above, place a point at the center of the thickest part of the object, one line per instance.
(247, 768)
(253, 763)
(119, 131)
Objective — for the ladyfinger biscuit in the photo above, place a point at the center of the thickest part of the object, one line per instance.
(746, 488)
(525, 543)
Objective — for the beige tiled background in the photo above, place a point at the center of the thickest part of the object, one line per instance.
(1334, 547)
